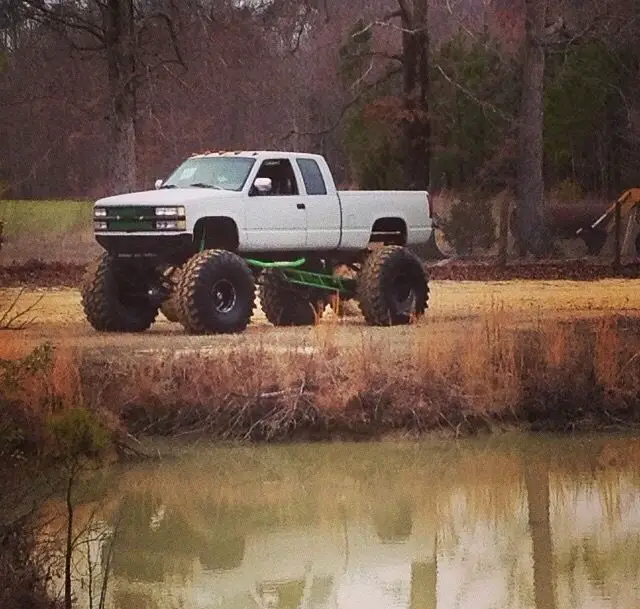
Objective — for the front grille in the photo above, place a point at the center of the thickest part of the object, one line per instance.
(130, 219)
(131, 213)
(130, 225)
(135, 219)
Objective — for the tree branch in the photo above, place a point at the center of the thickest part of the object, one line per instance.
(381, 54)
(404, 11)
(390, 74)
(168, 21)
(43, 13)
(379, 22)
(13, 319)
(483, 104)
(362, 77)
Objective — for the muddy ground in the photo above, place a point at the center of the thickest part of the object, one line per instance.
(36, 273)
(455, 307)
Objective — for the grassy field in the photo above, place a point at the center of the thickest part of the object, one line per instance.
(55, 231)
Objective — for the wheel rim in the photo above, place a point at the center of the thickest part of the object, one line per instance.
(131, 293)
(403, 294)
(224, 296)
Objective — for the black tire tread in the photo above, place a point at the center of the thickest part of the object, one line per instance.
(371, 297)
(169, 308)
(100, 301)
(283, 305)
(190, 314)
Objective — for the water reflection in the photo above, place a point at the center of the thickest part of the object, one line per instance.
(513, 522)
(536, 473)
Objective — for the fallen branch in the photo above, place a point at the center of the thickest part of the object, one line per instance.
(12, 319)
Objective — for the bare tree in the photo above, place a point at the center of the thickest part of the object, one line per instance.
(415, 77)
(530, 178)
(118, 29)
(541, 35)
(410, 21)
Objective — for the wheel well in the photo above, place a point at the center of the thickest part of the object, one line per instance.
(219, 233)
(391, 231)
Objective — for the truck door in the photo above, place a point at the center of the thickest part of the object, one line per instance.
(323, 207)
(276, 220)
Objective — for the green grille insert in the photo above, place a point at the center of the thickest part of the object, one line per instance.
(130, 213)
(131, 225)
(131, 218)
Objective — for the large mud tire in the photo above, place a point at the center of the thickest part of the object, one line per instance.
(114, 298)
(286, 305)
(216, 293)
(393, 287)
(169, 308)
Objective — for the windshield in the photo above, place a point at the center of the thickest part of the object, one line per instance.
(225, 173)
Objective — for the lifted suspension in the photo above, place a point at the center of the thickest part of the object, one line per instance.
(291, 270)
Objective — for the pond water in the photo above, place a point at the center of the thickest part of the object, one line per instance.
(507, 522)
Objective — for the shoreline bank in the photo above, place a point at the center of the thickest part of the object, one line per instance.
(552, 376)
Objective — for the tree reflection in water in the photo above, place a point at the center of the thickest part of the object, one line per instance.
(406, 526)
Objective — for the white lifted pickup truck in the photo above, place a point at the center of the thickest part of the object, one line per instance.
(196, 245)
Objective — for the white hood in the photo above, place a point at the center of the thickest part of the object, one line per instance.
(168, 196)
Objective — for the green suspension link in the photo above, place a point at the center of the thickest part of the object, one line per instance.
(291, 271)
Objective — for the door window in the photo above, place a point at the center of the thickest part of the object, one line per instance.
(283, 179)
(312, 176)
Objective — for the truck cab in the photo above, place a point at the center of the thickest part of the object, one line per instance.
(260, 202)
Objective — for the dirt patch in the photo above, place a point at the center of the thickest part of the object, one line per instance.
(36, 273)
(575, 270)
(41, 274)
(455, 307)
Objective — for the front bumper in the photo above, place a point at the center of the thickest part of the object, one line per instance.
(167, 247)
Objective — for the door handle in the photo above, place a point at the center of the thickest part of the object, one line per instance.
(301, 206)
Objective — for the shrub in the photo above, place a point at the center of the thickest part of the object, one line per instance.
(568, 191)
(77, 433)
(470, 225)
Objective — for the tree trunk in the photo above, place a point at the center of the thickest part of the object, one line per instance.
(120, 49)
(531, 233)
(417, 125)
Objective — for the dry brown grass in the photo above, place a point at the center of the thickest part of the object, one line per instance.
(34, 384)
(555, 374)
(552, 374)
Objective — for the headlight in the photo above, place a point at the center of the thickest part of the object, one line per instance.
(171, 224)
(170, 211)
(99, 212)
(100, 226)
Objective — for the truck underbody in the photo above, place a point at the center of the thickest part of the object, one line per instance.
(213, 291)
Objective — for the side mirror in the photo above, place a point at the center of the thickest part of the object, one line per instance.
(158, 183)
(263, 185)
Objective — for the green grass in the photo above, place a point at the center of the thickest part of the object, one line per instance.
(50, 231)
(46, 218)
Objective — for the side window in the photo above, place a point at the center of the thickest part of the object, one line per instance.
(280, 172)
(312, 176)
